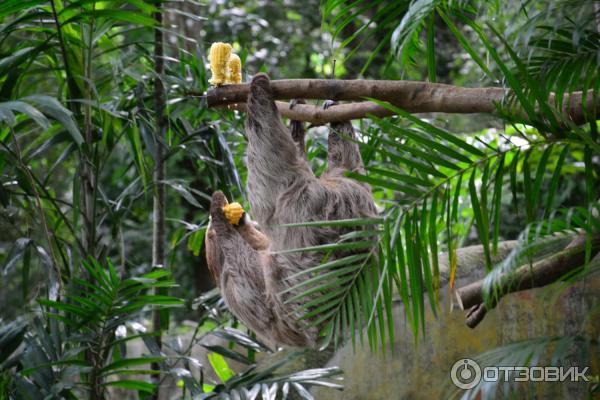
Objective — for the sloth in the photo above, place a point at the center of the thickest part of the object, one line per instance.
(248, 261)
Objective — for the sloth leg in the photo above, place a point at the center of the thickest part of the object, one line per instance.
(297, 130)
(343, 151)
(274, 164)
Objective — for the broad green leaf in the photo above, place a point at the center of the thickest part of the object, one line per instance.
(115, 15)
(7, 108)
(51, 106)
(11, 7)
(220, 366)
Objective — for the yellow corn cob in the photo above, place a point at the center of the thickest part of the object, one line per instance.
(234, 69)
(233, 212)
(218, 57)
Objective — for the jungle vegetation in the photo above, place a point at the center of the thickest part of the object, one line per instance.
(109, 154)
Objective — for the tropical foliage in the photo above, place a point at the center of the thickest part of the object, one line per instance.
(79, 133)
(78, 139)
(436, 184)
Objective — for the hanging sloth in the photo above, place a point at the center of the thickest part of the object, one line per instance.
(246, 262)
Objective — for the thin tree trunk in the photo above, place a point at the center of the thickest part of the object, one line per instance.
(86, 176)
(88, 161)
(159, 322)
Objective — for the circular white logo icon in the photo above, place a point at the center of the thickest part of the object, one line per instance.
(465, 374)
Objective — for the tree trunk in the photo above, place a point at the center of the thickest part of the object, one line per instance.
(159, 318)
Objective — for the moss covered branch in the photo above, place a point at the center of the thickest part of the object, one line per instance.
(541, 273)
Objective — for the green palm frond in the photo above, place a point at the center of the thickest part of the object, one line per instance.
(395, 27)
(334, 286)
(45, 364)
(560, 61)
(385, 16)
(267, 381)
(541, 239)
(95, 313)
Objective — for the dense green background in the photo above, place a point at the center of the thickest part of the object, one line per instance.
(77, 105)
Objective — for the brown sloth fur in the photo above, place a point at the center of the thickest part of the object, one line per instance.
(282, 189)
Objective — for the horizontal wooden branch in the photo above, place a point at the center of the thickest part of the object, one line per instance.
(318, 116)
(411, 96)
(541, 273)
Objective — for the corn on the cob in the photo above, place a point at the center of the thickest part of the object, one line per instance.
(234, 69)
(219, 57)
(233, 212)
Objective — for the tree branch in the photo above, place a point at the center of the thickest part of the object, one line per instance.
(541, 273)
(318, 116)
(420, 96)
(411, 96)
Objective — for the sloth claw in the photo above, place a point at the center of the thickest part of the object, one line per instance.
(329, 103)
(295, 102)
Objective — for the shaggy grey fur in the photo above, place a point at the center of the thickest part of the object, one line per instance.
(282, 189)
